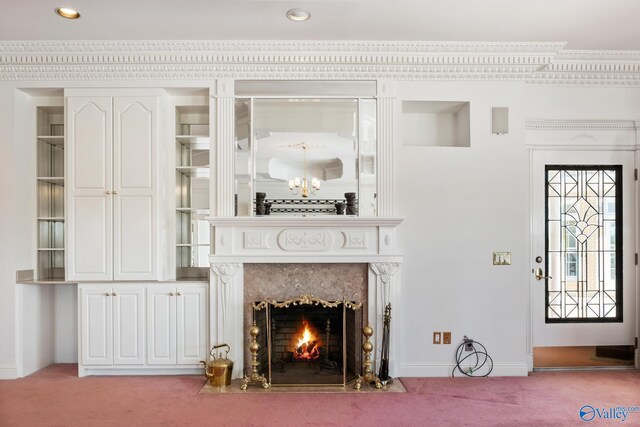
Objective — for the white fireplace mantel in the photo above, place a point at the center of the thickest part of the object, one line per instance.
(305, 239)
(313, 239)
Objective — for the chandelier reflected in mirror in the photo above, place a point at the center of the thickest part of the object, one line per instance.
(301, 186)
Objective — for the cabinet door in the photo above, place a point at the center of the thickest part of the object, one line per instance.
(135, 186)
(88, 182)
(128, 325)
(96, 331)
(161, 325)
(191, 324)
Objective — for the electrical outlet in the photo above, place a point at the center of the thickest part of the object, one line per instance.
(437, 337)
(446, 338)
(468, 344)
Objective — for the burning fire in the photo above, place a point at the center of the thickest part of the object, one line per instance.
(307, 346)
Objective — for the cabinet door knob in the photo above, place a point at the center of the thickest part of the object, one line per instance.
(115, 192)
(108, 294)
(171, 293)
(179, 294)
(108, 192)
(113, 294)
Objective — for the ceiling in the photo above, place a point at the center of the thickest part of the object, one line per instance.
(583, 24)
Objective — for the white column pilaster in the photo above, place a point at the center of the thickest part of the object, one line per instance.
(225, 317)
(385, 120)
(384, 283)
(222, 202)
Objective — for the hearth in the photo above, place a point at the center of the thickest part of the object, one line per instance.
(308, 341)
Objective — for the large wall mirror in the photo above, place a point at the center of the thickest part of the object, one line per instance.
(308, 154)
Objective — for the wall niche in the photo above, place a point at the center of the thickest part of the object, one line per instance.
(435, 124)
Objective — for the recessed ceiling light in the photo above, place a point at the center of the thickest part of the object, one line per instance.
(67, 12)
(298, 14)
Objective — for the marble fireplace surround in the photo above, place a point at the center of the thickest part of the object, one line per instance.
(302, 253)
(329, 282)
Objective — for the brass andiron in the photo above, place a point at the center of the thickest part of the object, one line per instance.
(367, 373)
(255, 377)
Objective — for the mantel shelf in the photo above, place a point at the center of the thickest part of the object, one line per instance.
(309, 221)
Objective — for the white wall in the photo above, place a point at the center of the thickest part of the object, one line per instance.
(8, 186)
(460, 205)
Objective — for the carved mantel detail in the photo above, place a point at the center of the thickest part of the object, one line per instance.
(385, 270)
(225, 271)
(309, 239)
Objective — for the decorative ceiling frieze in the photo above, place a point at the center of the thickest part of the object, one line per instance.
(537, 63)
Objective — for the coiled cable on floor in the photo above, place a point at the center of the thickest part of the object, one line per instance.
(478, 354)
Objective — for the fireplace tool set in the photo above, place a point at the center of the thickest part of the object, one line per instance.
(383, 374)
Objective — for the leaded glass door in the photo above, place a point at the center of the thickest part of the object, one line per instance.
(583, 242)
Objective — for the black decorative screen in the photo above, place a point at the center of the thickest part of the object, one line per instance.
(584, 243)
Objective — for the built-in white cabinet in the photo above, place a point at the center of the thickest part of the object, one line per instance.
(112, 325)
(142, 328)
(112, 186)
(176, 324)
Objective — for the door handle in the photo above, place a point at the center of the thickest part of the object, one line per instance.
(540, 275)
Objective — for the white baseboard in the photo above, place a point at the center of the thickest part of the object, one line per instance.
(111, 371)
(8, 372)
(424, 370)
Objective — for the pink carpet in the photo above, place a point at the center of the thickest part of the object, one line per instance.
(55, 396)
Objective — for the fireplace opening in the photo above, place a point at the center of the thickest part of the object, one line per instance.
(308, 341)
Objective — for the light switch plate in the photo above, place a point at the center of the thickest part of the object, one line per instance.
(502, 258)
(437, 338)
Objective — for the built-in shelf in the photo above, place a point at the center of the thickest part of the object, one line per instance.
(51, 179)
(53, 140)
(436, 123)
(194, 140)
(194, 210)
(50, 192)
(194, 171)
(193, 232)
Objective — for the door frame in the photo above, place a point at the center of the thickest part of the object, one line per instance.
(576, 135)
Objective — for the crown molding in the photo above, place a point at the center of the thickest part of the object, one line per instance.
(536, 63)
(238, 46)
(624, 125)
(586, 67)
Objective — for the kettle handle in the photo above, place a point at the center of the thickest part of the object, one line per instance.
(213, 353)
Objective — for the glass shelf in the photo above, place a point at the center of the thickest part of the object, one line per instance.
(50, 193)
(193, 232)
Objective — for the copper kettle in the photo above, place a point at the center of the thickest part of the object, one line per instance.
(219, 368)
